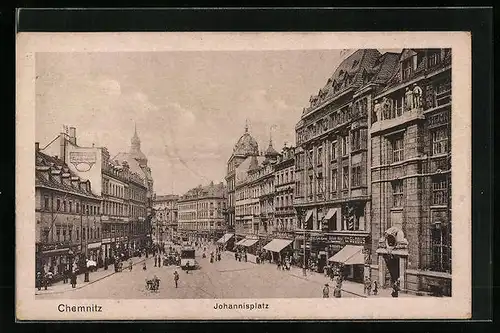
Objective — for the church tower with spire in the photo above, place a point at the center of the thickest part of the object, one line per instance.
(135, 149)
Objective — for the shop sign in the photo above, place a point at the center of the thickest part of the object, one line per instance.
(339, 239)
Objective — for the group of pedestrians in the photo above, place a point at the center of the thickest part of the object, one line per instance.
(215, 256)
(241, 256)
(45, 280)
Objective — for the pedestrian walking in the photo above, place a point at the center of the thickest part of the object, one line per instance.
(375, 287)
(326, 291)
(176, 278)
(187, 268)
(246, 257)
(156, 260)
(65, 274)
(144, 266)
(395, 288)
(39, 280)
(368, 286)
(73, 279)
(130, 264)
(236, 256)
(218, 257)
(160, 258)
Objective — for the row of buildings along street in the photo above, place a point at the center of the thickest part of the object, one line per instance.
(367, 185)
(365, 188)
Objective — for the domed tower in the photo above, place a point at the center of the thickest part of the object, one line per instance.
(135, 149)
(246, 145)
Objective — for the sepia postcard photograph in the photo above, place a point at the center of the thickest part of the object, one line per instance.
(171, 176)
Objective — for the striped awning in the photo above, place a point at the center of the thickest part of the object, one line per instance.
(349, 255)
(276, 245)
(225, 238)
(250, 242)
(241, 242)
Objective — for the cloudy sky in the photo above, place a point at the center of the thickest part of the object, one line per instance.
(190, 107)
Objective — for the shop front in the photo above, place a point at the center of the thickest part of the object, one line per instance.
(227, 241)
(329, 248)
(93, 251)
(55, 258)
(279, 249)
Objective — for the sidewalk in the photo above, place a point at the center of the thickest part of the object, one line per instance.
(101, 273)
(350, 287)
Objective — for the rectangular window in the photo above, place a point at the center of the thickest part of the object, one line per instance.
(397, 193)
(320, 182)
(70, 207)
(407, 68)
(78, 208)
(70, 234)
(345, 177)
(356, 176)
(439, 190)
(77, 234)
(320, 156)
(334, 180)
(441, 249)
(46, 203)
(310, 186)
(345, 142)
(434, 58)
(440, 141)
(397, 149)
(58, 205)
(356, 140)
(310, 158)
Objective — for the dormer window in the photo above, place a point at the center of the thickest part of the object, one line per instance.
(407, 68)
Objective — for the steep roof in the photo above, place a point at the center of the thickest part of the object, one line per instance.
(134, 165)
(52, 163)
(349, 74)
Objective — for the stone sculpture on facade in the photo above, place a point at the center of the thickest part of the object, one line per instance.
(417, 97)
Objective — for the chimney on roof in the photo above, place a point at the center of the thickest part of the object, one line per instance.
(72, 135)
(37, 146)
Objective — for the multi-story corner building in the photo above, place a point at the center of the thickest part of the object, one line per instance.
(411, 174)
(121, 183)
(332, 163)
(68, 217)
(165, 220)
(284, 189)
(244, 148)
(201, 212)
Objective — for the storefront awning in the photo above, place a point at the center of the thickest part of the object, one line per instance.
(308, 215)
(225, 238)
(330, 213)
(276, 245)
(241, 242)
(349, 255)
(250, 242)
